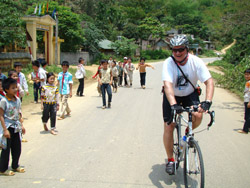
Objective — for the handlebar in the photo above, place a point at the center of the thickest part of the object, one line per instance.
(190, 110)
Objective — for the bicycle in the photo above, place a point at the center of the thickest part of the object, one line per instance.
(193, 161)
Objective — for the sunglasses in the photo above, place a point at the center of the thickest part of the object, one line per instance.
(178, 50)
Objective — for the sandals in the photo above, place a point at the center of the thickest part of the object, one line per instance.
(19, 169)
(7, 173)
(24, 140)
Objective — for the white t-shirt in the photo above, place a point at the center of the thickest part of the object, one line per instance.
(43, 75)
(195, 69)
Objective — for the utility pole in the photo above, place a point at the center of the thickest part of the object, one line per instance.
(56, 49)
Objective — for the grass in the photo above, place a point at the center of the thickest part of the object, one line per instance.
(218, 77)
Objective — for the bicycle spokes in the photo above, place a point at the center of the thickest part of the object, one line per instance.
(193, 167)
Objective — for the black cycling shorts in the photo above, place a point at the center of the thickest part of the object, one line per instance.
(192, 99)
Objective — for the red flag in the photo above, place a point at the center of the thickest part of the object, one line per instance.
(28, 37)
(47, 7)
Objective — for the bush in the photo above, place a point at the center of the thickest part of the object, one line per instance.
(155, 54)
(209, 53)
(233, 79)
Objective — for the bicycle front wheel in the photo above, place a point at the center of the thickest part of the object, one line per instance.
(193, 166)
(176, 150)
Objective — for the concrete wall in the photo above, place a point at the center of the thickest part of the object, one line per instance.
(72, 57)
(7, 59)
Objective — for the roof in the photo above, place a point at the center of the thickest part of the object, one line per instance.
(106, 44)
(44, 20)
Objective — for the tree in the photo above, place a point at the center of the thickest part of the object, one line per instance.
(10, 24)
(93, 36)
(125, 47)
(150, 26)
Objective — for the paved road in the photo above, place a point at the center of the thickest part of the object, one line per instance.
(122, 147)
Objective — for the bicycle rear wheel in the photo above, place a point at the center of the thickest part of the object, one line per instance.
(193, 166)
(176, 149)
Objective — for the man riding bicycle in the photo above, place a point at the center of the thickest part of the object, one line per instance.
(180, 75)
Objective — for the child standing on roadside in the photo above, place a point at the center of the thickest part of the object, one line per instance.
(21, 78)
(35, 77)
(65, 88)
(105, 80)
(142, 69)
(10, 118)
(246, 126)
(115, 76)
(80, 74)
(50, 103)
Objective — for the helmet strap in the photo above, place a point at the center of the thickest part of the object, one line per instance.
(181, 62)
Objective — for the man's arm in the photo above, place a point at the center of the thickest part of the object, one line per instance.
(205, 105)
(169, 91)
(209, 89)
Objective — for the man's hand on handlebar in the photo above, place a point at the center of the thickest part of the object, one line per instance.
(204, 106)
(177, 108)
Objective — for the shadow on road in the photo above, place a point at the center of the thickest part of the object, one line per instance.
(230, 106)
(160, 178)
(36, 113)
(44, 132)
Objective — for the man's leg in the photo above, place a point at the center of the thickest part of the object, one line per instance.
(168, 136)
(168, 139)
(196, 119)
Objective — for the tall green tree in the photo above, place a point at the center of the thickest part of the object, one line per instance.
(125, 47)
(11, 30)
(93, 36)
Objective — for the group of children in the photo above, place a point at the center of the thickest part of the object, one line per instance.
(112, 74)
(12, 90)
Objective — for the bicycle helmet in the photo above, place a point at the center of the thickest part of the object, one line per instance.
(179, 40)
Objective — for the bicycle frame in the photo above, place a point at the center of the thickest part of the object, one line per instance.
(178, 118)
